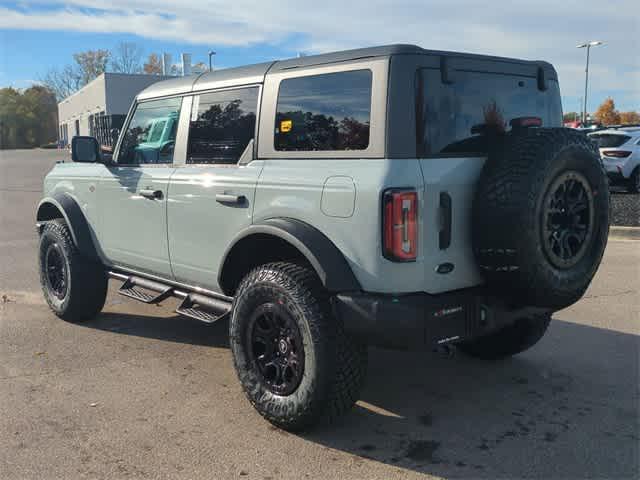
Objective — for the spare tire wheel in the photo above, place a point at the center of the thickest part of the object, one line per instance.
(541, 216)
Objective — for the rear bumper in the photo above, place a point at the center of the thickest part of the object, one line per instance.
(615, 176)
(421, 321)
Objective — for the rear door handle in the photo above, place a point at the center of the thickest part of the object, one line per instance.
(230, 199)
(151, 194)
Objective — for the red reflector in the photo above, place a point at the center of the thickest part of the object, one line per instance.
(400, 225)
(616, 153)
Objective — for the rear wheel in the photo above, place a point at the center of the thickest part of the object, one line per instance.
(296, 364)
(74, 286)
(510, 340)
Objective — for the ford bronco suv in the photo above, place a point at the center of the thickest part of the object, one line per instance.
(389, 196)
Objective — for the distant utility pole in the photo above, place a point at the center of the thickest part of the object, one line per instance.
(211, 54)
(588, 46)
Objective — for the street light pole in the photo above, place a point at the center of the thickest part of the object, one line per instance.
(211, 54)
(588, 46)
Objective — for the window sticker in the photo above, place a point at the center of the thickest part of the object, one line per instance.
(285, 126)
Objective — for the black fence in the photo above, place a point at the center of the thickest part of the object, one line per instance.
(101, 126)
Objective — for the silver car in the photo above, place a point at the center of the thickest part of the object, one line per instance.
(620, 153)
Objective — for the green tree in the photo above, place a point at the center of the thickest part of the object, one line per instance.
(27, 118)
(571, 117)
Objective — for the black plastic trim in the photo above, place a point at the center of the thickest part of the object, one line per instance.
(325, 258)
(75, 219)
(420, 321)
(444, 239)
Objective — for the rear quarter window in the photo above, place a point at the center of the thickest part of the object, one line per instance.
(609, 140)
(326, 112)
(455, 118)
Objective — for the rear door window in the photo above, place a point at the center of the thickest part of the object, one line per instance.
(457, 118)
(327, 112)
(222, 124)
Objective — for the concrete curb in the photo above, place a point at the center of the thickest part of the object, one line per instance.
(624, 233)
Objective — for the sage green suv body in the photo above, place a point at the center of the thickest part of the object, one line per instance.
(360, 167)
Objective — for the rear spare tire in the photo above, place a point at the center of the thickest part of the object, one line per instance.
(541, 216)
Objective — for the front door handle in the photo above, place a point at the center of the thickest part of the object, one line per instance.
(230, 199)
(151, 194)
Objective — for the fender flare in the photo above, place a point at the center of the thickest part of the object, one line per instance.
(74, 218)
(326, 259)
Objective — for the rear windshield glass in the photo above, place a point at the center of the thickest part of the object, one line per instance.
(324, 112)
(456, 118)
(609, 140)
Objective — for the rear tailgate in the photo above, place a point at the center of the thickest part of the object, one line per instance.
(449, 185)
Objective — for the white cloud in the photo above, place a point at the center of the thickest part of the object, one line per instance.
(545, 29)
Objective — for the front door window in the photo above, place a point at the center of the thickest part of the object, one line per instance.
(151, 135)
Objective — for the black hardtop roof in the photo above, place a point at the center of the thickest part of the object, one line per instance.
(386, 51)
(255, 73)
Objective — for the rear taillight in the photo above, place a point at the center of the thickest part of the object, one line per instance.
(400, 225)
(616, 153)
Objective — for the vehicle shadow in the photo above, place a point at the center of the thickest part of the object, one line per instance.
(568, 408)
(174, 328)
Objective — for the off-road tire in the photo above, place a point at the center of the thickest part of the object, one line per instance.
(334, 364)
(510, 340)
(86, 280)
(509, 214)
(634, 181)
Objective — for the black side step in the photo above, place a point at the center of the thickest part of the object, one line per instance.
(205, 309)
(139, 288)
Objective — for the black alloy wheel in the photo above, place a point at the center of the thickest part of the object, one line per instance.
(57, 273)
(275, 347)
(567, 219)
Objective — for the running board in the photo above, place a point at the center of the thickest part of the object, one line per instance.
(139, 288)
(194, 305)
(205, 309)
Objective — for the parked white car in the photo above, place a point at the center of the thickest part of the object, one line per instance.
(620, 153)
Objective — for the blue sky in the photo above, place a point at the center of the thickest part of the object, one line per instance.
(38, 34)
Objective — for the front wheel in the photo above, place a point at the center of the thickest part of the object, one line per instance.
(296, 364)
(74, 287)
(510, 340)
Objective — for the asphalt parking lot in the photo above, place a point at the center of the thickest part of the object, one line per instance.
(142, 393)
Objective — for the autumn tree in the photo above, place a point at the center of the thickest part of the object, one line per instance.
(606, 114)
(153, 65)
(127, 58)
(91, 64)
(628, 118)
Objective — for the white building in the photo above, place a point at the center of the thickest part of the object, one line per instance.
(101, 105)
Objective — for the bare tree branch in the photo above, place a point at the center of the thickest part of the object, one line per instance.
(127, 58)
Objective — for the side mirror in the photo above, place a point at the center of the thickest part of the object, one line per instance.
(85, 150)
